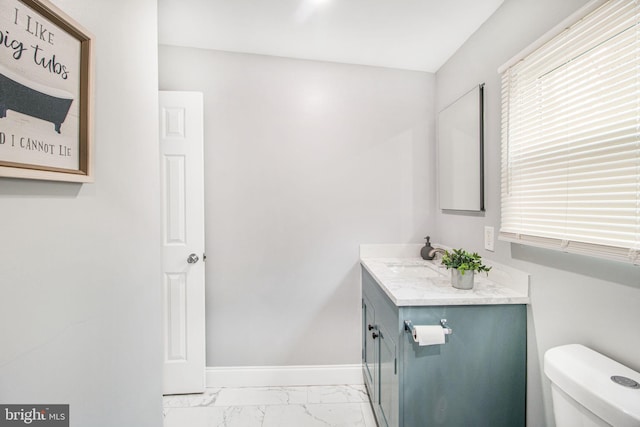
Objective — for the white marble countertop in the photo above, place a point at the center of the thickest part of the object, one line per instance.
(408, 280)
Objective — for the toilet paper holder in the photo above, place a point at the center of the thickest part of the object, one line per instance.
(408, 326)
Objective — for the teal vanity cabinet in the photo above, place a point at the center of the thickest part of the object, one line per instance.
(380, 360)
(477, 378)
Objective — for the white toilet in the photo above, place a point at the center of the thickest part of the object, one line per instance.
(584, 393)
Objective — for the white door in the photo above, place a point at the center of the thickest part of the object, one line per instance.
(182, 173)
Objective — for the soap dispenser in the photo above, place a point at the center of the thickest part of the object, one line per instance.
(424, 252)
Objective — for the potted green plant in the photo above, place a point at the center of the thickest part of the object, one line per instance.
(461, 262)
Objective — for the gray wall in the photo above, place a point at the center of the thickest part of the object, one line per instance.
(304, 161)
(79, 264)
(574, 299)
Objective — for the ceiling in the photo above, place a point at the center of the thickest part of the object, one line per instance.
(406, 34)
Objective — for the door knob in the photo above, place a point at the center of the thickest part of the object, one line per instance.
(374, 335)
(192, 259)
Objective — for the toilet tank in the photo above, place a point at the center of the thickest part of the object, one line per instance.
(584, 393)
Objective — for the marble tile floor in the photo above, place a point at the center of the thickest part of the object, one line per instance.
(304, 406)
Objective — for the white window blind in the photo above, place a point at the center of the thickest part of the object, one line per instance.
(571, 138)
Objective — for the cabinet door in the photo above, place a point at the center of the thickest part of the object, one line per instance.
(369, 328)
(388, 380)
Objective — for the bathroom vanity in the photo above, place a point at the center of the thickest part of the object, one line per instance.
(477, 377)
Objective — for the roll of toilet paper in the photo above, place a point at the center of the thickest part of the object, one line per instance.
(428, 335)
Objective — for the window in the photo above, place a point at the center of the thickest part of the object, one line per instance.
(571, 136)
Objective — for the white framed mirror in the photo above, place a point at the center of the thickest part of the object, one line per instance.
(460, 153)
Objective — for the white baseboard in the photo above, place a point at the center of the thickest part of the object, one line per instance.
(280, 376)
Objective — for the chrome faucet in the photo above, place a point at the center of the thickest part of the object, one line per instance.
(434, 251)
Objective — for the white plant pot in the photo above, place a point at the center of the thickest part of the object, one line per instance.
(462, 281)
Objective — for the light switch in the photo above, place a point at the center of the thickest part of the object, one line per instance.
(488, 238)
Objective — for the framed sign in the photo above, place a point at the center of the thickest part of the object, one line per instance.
(46, 68)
